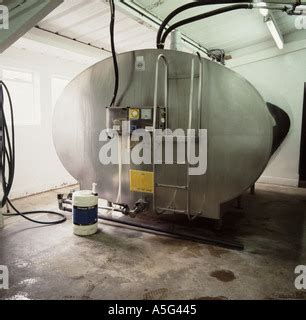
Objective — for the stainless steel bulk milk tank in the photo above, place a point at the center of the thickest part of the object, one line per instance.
(179, 90)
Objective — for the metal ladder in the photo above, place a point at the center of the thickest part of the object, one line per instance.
(186, 187)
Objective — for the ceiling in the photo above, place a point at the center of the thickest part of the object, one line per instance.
(19, 16)
(87, 21)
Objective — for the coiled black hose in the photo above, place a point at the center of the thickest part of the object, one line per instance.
(8, 162)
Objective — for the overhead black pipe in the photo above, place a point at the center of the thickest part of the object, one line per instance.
(160, 43)
(187, 7)
(201, 17)
(281, 2)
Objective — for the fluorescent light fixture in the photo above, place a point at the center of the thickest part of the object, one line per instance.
(276, 34)
(262, 9)
(300, 10)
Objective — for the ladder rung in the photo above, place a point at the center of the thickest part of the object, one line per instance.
(174, 163)
(180, 138)
(171, 186)
(172, 210)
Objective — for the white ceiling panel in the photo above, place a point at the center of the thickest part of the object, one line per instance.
(87, 21)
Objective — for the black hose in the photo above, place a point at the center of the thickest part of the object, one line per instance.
(170, 17)
(24, 215)
(8, 147)
(8, 162)
(159, 43)
(114, 54)
(201, 17)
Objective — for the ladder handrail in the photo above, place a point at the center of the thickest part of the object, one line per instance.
(200, 92)
(190, 114)
(190, 120)
(189, 128)
(160, 58)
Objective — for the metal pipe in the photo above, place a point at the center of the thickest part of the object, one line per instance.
(188, 134)
(172, 234)
(161, 57)
(176, 41)
(173, 210)
(200, 92)
(171, 187)
(110, 209)
(191, 96)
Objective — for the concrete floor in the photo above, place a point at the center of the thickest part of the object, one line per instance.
(119, 263)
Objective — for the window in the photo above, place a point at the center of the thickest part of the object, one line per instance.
(24, 90)
(58, 86)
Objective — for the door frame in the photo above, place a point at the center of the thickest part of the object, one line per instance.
(302, 163)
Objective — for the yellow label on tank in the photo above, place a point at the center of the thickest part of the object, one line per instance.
(134, 114)
(141, 181)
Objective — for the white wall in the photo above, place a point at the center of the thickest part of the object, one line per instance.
(281, 80)
(37, 165)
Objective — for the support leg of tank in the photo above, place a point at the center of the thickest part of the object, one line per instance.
(218, 224)
(238, 204)
(253, 190)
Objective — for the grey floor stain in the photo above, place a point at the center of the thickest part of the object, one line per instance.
(223, 275)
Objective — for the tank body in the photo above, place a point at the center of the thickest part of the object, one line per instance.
(238, 123)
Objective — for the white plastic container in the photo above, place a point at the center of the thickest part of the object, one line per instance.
(85, 213)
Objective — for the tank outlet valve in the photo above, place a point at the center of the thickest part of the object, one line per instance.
(140, 207)
(123, 208)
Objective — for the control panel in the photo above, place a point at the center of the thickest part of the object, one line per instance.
(136, 118)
